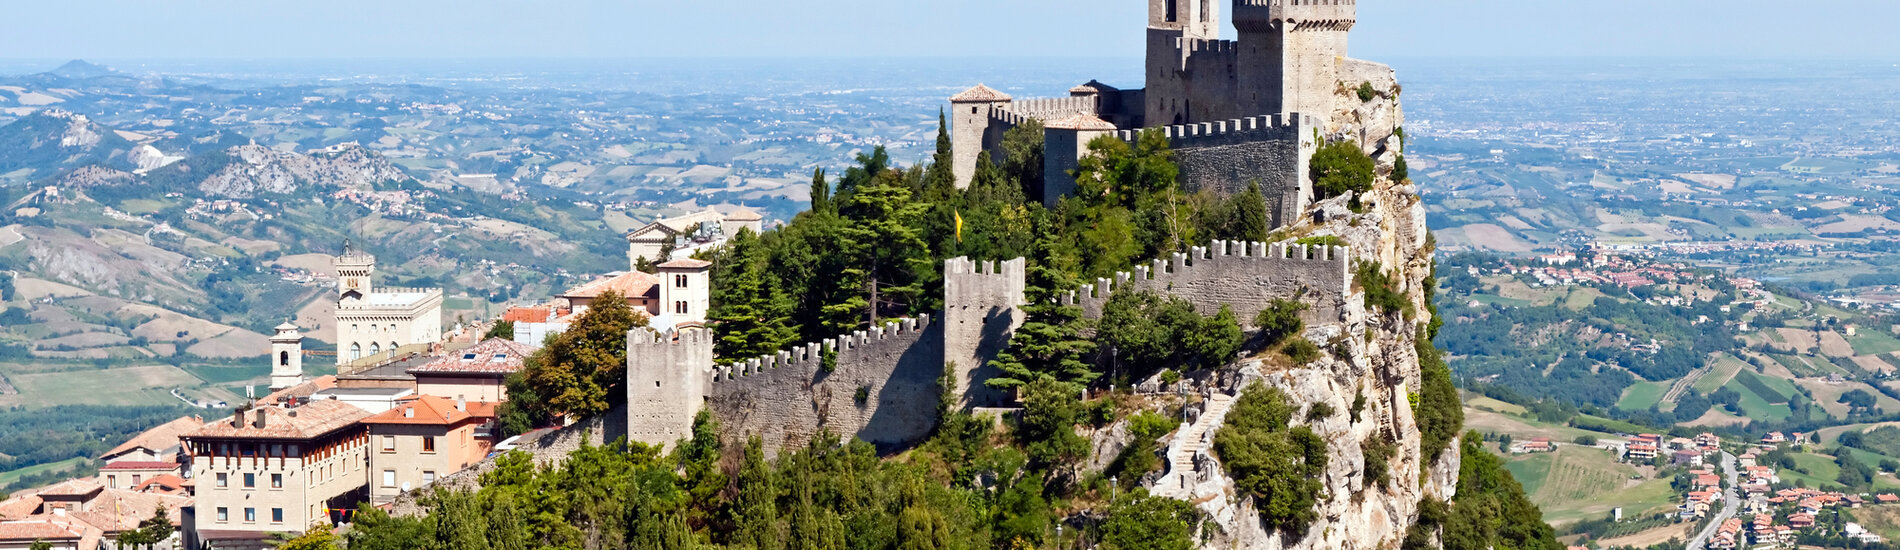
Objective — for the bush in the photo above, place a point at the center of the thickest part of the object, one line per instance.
(1439, 413)
(1279, 320)
(1301, 351)
(1381, 291)
(1378, 453)
(1399, 171)
(1587, 440)
(1277, 464)
(1367, 92)
(1341, 167)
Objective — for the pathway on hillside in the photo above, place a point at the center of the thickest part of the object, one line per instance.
(1683, 384)
(1730, 503)
(1193, 439)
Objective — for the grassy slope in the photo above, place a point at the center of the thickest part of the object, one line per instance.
(1577, 483)
(7, 478)
(1642, 395)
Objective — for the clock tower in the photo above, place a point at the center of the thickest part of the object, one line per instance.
(353, 271)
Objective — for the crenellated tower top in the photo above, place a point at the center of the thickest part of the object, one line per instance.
(1295, 15)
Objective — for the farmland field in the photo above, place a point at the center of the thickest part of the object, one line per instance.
(1577, 483)
(1642, 395)
(7, 478)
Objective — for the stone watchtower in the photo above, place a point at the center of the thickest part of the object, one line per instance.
(983, 307)
(353, 272)
(286, 351)
(970, 120)
(1290, 52)
(667, 376)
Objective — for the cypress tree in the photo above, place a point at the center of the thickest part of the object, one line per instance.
(1050, 344)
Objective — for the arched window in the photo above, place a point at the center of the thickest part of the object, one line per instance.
(392, 347)
(355, 329)
(356, 351)
(283, 358)
(374, 349)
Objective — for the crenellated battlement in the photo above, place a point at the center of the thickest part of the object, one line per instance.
(1244, 275)
(1256, 128)
(812, 354)
(1050, 108)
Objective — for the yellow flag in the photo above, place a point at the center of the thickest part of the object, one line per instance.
(959, 217)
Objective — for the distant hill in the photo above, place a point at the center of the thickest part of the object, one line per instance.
(78, 68)
(53, 140)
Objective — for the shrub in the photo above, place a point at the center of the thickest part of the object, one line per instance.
(1358, 403)
(1378, 453)
(1367, 92)
(1279, 320)
(1439, 413)
(1340, 167)
(1399, 172)
(1277, 464)
(1301, 351)
(1319, 411)
(1381, 291)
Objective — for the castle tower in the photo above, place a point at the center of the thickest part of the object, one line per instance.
(1065, 143)
(667, 377)
(1290, 52)
(983, 307)
(1173, 27)
(286, 352)
(685, 291)
(970, 128)
(353, 271)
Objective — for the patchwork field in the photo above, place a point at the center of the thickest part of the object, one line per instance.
(1577, 483)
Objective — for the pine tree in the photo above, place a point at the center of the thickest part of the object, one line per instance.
(820, 192)
(942, 178)
(1247, 216)
(750, 312)
(1050, 344)
(886, 248)
(159, 526)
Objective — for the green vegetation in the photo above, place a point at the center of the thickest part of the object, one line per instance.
(1341, 167)
(1642, 395)
(579, 374)
(40, 446)
(1489, 511)
(1157, 332)
(1366, 92)
(503, 329)
(1279, 465)
(1438, 412)
(1382, 293)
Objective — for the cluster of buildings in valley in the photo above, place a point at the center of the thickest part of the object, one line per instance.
(1772, 513)
(1613, 270)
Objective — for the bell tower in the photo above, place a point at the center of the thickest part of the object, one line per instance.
(353, 272)
(286, 354)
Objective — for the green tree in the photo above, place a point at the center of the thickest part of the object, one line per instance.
(942, 173)
(319, 537)
(1439, 413)
(1143, 522)
(1050, 344)
(1280, 320)
(375, 529)
(39, 544)
(921, 528)
(579, 372)
(751, 314)
(813, 260)
(1051, 411)
(503, 329)
(1022, 159)
(886, 246)
(1217, 339)
(1278, 464)
(1244, 216)
(820, 192)
(159, 526)
(756, 508)
(1342, 167)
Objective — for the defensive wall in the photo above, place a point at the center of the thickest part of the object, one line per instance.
(1275, 151)
(1245, 276)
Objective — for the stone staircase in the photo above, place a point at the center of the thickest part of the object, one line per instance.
(1190, 443)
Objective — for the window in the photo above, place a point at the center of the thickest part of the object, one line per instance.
(389, 443)
(283, 358)
(277, 451)
(277, 481)
(428, 443)
(679, 281)
(428, 477)
(679, 307)
(224, 514)
(276, 515)
(136, 479)
(356, 351)
(223, 480)
(250, 481)
(389, 478)
(250, 515)
(374, 348)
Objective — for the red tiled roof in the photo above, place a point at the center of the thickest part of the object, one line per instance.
(71, 487)
(162, 436)
(140, 465)
(533, 314)
(427, 410)
(685, 263)
(632, 284)
(50, 527)
(1081, 121)
(168, 482)
(492, 356)
(320, 417)
(744, 215)
(979, 94)
(305, 389)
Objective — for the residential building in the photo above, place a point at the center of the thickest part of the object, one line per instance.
(58, 531)
(682, 235)
(129, 474)
(157, 444)
(276, 469)
(423, 439)
(475, 374)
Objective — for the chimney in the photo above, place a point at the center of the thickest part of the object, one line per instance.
(409, 412)
(237, 417)
(461, 403)
(260, 418)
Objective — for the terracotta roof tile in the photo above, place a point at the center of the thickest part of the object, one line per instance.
(50, 527)
(161, 437)
(305, 389)
(140, 465)
(532, 314)
(20, 506)
(632, 284)
(744, 215)
(492, 356)
(71, 487)
(1081, 121)
(685, 263)
(427, 410)
(306, 422)
(979, 94)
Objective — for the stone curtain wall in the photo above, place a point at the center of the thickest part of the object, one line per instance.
(982, 308)
(1243, 275)
(788, 397)
(1226, 156)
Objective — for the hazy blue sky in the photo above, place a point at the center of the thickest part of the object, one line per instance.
(120, 29)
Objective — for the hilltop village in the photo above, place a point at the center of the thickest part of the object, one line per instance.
(1320, 241)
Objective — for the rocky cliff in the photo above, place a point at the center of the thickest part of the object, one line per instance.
(1373, 356)
(255, 170)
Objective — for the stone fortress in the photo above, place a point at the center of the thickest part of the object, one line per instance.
(1234, 111)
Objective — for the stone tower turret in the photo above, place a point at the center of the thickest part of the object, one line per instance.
(970, 128)
(286, 352)
(667, 377)
(1290, 52)
(983, 306)
(353, 271)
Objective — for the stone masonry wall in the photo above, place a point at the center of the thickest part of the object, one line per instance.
(1226, 156)
(982, 308)
(1243, 275)
(788, 397)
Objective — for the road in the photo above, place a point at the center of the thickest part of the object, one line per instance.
(1730, 504)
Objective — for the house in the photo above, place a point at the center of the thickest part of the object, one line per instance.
(1801, 521)
(58, 530)
(276, 469)
(423, 439)
(1680, 443)
(1708, 441)
(1708, 480)
(474, 374)
(1686, 457)
(680, 236)
(1886, 498)
(84, 502)
(1773, 438)
(154, 445)
(640, 290)
(127, 474)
